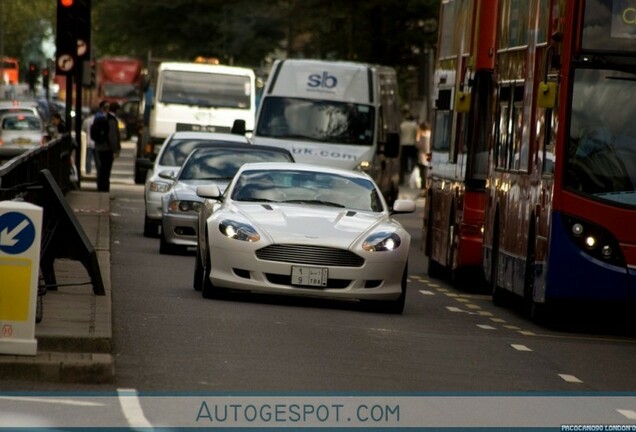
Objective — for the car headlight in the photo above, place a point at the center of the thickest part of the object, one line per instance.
(159, 187)
(382, 241)
(364, 166)
(178, 206)
(239, 231)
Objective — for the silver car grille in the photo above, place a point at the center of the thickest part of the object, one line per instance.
(310, 255)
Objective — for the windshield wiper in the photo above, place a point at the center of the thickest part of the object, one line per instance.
(319, 202)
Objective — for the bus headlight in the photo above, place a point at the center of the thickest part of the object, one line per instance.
(594, 240)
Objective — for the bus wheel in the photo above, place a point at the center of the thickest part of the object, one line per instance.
(498, 294)
(536, 311)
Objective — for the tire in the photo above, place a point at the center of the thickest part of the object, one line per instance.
(498, 294)
(395, 307)
(197, 283)
(166, 248)
(537, 312)
(208, 290)
(151, 228)
(435, 269)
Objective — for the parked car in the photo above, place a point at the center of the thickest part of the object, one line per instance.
(210, 165)
(20, 132)
(300, 229)
(172, 153)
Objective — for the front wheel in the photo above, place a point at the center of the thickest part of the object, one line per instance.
(208, 290)
(197, 283)
(393, 306)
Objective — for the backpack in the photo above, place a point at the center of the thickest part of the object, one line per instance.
(99, 130)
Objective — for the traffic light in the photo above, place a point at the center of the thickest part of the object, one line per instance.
(73, 31)
(32, 76)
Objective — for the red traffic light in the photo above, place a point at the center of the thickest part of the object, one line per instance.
(45, 72)
(32, 67)
(66, 3)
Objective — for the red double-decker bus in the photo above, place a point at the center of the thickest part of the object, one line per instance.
(454, 215)
(560, 208)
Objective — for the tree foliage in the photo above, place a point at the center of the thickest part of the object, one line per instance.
(241, 32)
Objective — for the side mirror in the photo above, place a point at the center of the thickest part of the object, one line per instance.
(167, 175)
(209, 192)
(392, 145)
(238, 127)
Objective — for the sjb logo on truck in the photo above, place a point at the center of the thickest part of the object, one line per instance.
(324, 81)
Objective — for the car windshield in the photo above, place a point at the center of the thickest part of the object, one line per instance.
(601, 157)
(307, 188)
(223, 163)
(316, 120)
(178, 150)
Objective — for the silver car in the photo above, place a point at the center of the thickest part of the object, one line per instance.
(213, 165)
(172, 153)
(20, 132)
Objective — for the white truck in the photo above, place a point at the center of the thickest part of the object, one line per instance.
(194, 97)
(334, 113)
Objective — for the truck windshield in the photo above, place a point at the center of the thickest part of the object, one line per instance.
(120, 90)
(205, 89)
(601, 152)
(316, 120)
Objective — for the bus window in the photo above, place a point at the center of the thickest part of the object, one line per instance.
(443, 122)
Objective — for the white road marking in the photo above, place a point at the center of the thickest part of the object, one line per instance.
(628, 413)
(426, 292)
(473, 306)
(454, 309)
(52, 401)
(486, 327)
(570, 378)
(520, 347)
(527, 333)
(131, 409)
(498, 320)
(484, 313)
(512, 327)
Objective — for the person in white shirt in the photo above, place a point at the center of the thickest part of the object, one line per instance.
(408, 138)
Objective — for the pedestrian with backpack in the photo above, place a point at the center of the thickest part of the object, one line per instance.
(105, 133)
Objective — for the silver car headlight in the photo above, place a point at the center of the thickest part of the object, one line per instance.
(178, 206)
(382, 241)
(159, 187)
(239, 231)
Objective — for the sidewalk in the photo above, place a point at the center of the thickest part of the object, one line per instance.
(75, 335)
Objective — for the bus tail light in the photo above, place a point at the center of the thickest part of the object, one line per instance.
(594, 240)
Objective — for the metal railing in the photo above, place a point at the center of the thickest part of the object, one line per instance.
(21, 172)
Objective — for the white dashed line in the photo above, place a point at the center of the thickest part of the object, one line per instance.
(486, 327)
(498, 320)
(520, 347)
(512, 327)
(454, 309)
(473, 306)
(426, 292)
(570, 378)
(631, 415)
(484, 313)
(527, 333)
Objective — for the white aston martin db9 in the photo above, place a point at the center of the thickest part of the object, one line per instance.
(298, 229)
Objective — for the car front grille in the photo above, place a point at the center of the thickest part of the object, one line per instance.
(310, 255)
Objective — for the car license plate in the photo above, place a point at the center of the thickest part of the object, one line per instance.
(309, 276)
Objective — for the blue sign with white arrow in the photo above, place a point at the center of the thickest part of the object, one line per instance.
(17, 233)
